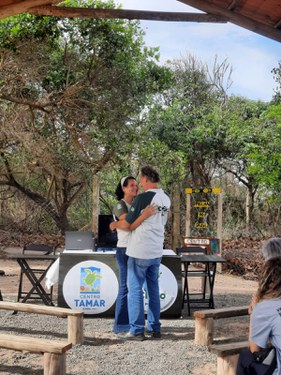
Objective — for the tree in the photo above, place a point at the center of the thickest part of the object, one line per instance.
(188, 116)
(277, 77)
(243, 121)
(266, 159)
(266, 164)
(70, 91)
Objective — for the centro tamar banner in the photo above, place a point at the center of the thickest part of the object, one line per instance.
(89, 282)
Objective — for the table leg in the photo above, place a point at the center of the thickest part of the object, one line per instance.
(185, 297)
(187, 291)
(212, 274)
(184, 287)
(2, 273)
(205, 281)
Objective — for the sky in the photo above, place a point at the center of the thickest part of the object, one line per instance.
(251, 56)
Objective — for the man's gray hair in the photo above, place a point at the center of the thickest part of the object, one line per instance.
(150, 173)
(271, 248)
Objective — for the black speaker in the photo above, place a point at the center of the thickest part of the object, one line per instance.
(106, 238)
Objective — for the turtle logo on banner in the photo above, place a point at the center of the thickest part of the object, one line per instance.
(90, 280)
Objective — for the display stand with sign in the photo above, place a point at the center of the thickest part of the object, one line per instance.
(198, 229)
(89, 282)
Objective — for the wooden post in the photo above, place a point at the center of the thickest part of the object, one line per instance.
(75, 329)
(227, 365)
(204, 331)
(187, 215)
(176, 237)
(96, 206)
(219, 222)
(219, 229)
(54, 364)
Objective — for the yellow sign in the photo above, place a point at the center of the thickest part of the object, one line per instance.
(202, 204)
(204, 190)
(201, 214)
(201, 225)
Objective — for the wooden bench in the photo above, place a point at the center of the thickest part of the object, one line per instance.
(227, 356)
(74, 317)
(54, 351)
(204, 322)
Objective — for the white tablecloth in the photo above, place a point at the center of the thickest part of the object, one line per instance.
(52, 276)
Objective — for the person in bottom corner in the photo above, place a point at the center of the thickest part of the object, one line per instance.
(265, 323)
(127, 189)
(270, 249)
(145, 250)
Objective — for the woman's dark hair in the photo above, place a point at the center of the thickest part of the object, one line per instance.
(271, 248)
(150, 173)
(270, 280)
(119, 191)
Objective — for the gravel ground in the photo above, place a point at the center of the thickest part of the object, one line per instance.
(102, 353)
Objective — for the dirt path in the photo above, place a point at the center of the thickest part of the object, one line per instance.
(225, 284)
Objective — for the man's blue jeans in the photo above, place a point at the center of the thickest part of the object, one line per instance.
(140, 271)
(121, 323)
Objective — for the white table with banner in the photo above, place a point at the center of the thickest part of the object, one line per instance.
(89, 281)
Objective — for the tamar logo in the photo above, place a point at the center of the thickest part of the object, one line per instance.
(91, 286)
(90, 280)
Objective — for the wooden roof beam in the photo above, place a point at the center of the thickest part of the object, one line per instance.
(240, 20)
(59, 11)
(22, 6)
(278, 25)
(233, 5)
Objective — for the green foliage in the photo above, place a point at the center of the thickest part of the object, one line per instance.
(169, 163)
(188, 117)
(266, 159)
(80, 97)
(277, 77)
(20, 29)
(242, 119)
(84, 82)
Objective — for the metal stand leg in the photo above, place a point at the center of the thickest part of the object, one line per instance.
(185, 297)
(2, 273)
(212, 274)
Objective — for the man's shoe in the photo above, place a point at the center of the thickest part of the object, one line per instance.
(130, 336)
(153, 335)
(121, 335)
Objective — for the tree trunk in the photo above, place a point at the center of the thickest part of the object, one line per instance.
(176, 235)
(247, 211)
(96, 208)
(250, 204)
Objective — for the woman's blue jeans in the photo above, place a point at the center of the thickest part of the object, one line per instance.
(121, 323)
(140, 271)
